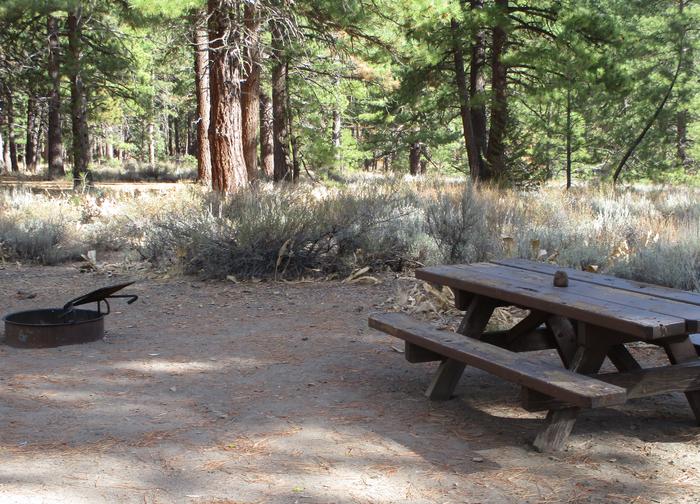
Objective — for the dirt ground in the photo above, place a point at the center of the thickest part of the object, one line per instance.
(215, 392)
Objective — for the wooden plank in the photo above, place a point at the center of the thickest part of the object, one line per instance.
(462, 299)
(607, 280)
(679, 352)
(622, 358)
(559, 425)
(472, 326)
(695, 340)
(560, 422)
(555, 300)
(606, 294)
(648, 382)
(660, 380)
(415, 354)
(477, 317)
(445, 381)
(538, 339)
(568, 386)
(564, 337)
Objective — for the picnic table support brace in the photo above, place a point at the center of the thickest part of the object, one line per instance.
(560, 422)
(681, 351)
(450, 371)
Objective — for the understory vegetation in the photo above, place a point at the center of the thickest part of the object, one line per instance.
(383, 223)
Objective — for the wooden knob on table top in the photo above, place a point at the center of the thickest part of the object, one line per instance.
(561, 279)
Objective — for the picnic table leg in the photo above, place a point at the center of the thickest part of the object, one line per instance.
(564, 337)
(450, 371)
(560, 422)
(683, 351)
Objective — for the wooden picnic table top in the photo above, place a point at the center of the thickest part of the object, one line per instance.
(641, 310)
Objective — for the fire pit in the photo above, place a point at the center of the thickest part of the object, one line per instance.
(69, 325)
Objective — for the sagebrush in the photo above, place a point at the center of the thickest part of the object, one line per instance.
(384, 223)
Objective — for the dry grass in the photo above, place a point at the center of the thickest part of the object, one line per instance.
(645, 233)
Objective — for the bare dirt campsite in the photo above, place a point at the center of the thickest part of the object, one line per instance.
(218, 392)
(349, 252)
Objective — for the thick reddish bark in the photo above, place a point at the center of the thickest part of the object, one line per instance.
(267, 141)
(55, 145)
(251, 90)
(495, 152)
(473, 155)
(225, 129)
(201, 69)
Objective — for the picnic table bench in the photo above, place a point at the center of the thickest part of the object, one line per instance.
(585, 319)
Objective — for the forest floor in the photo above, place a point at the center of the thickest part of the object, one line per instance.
(58, 186)
(222, 392)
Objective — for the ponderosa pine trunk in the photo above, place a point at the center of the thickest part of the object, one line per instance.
(225, 127)
(55, 145)
(414, 158)
(280, 123)
(682, 138)
(3, 166)
(201, 70)
(475, 164)
(251, 89)
(336, 136)
(151, 136)
(682, 116)
(495, 151)
(477, 83)
(171, 136)
(31, 141)
(176, 127)
(568, 137)
(10, 120)
(267, 140)
(78, 99)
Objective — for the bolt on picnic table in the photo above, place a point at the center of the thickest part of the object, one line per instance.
(585, 317)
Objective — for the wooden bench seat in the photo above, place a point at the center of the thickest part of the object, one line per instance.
(695, 339)
(572, 388)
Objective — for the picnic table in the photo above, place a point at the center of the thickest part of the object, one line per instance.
(586, 317)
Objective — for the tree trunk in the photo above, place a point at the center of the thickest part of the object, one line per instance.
(682, 115)
(170, 135)
(336, 138)
(10, 117)
(176, 127)
(6, 160)
(682, 137)
(495, 152)
(225, 129)
(267, 140)
(3, 160)
(414, 158)
(476, 168)
(251, 89)
(280, 123)
(201, 70)
(78, 99)
(477, 83)
(30, 145)
(150, 133)
(55, 147)
(568, 137)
